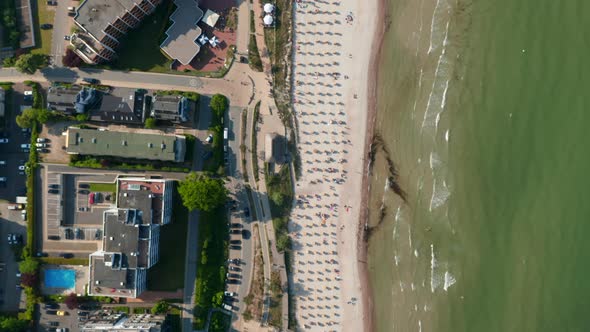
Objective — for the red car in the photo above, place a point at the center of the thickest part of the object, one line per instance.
(91, 198)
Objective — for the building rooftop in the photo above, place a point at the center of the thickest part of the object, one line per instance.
(106, 320)
(95, 15)
(172, 108)
(108, 281)
(125, 144)
(181, 41)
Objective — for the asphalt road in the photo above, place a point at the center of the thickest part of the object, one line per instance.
(60, 29)
(10, 223)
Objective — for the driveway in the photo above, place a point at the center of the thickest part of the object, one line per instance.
(61, 27)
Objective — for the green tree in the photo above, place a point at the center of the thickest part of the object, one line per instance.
(218, 104)
(9, 62)
(29, 63)
(150, 123)
(26, 118)
(82, 117)
(161, 307)
(278, 198)
(201, 192)
(13, 324)
(283, 242)
(29, 265)
(217, 299)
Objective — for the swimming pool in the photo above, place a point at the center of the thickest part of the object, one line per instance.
(60, 278)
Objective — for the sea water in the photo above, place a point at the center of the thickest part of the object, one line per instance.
(483, 114)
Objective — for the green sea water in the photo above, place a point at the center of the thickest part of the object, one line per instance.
(482, 107)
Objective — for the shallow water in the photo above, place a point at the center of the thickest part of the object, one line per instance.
(482, 112)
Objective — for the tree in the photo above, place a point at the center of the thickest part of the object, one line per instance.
(278, 198)
(201, 192)
(31, 115)
(283, 242)
(150, 123)
(82, 117)
(217, 299)
(29, 63)
(9, 62)
(29, 279)
(218, 104)
(29, 265)
(13, 324)
(71, 301)
(71, 59)
(161, 307)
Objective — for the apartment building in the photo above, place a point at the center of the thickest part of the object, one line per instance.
(104, 23)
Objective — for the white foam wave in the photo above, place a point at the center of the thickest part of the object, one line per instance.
(419, 326)
(432, 267)
(444, 97)
(447, 135)
(436, 36)
(416, 253)
(449, 281)
(401, 286)
(434, 160)
(410, 236)
(440, 194)
(396, 260)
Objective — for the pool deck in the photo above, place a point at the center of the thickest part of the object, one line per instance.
(81, 279)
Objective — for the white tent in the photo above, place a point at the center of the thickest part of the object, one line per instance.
(210, 18)
(203, 39)
(267, 20)
(214, 41)
(269, 8)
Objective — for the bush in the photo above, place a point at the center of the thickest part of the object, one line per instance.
(29, 63)
(150, 123)
(219, 105)
(71, 59)
(71, 301)
(9, 62)
(201, 192)
(161, 307)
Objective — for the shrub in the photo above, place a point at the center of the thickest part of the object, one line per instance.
(150, 123)
(71, 59)
(71, 301)
(161, 307)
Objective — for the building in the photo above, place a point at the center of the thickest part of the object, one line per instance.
(104, 24)
(131, 235)
(171, 108)
(152, 197)
(106, 320)
(130, 246)
(71, 99)
(274, 149)
(125, 144)
(181, 38)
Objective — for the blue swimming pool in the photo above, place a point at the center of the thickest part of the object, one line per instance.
(60, 278)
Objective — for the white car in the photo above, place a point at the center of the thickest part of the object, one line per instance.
(209, 138)
(21, 168)
(41, 140)
(40, 145)
(3, 140)
(230, 294)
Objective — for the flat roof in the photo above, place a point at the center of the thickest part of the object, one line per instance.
(125, 144)
(181, 41)
(108, 278)
(95, 15)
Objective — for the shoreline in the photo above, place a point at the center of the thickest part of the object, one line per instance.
(362, 251)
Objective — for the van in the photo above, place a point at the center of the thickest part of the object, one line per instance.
(227, 307)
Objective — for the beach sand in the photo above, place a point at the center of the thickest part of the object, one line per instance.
(334, 63)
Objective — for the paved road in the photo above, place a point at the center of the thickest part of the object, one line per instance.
(192, 236)
(61, 27)
(231, 86)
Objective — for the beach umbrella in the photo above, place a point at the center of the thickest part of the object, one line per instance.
(203, 39)
(267, 20)
(214, 41)
(269, 8)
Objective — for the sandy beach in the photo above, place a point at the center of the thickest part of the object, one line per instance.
(336, 47)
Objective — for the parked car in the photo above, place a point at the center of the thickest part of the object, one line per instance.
(51, 305)
(235, 231)
(236, 225)
(83, 185)
(46, 26)
(21, 168)
(247, 212)
(67, 37)
(61, 313)
(66, 255)
(209, 138)
(230, 294)
(53, 324)
(41, 145)
(235, 247)
(41, 140)
(90, 80)
(54, 186)
(235, 242)
(233, 281)
(50, 312)
(3, 140)
(53, 191)
(235, 268)
(84, 192)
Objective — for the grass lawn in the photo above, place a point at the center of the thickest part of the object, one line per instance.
(43, 14)
(140, 50)
(168, 273)
(103, 187)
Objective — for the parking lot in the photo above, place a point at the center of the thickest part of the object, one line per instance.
(49, 316)
(10, 223)
(12, 155)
